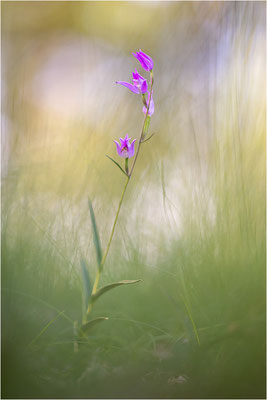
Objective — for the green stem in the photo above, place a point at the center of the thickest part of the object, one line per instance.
(108, 246)
(114, 225)
(126, 165)
(97, 278)
(144, 124)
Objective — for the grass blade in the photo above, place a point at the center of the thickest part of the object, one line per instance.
(87, 290)
(149, 137)
(111, 286)
(45, 328)
(85, 329)
(118, 165)
(188, 309)
(95, 234)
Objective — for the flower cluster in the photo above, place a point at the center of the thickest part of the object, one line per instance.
(139, 85)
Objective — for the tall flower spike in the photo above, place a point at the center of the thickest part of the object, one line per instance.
(151, 105)
(125, 149)
(145, 60)
(139, 85)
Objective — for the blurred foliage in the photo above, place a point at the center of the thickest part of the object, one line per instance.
(192, 225)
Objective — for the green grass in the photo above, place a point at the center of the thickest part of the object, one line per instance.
(191, 226)
(198, 314)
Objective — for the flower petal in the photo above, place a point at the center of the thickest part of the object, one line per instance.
(129, 86)
(145, 60)
(125, 141)
(124, 154)
(143, 64)
(118, 147)
(144, 87)
(131, 149)
(147, 57)
(136, 74)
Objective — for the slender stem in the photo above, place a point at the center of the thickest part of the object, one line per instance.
(126, 165)
(121, 199)
(114, 224)
(90, 305)
(96, 281)
(108, 246)
(142, 132)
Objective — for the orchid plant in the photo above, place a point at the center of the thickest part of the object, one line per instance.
(125, 150)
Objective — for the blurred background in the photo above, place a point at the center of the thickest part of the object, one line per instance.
(192, 225)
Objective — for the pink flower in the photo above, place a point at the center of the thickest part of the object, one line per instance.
(145, 61)
(125, 149)
(139, 85)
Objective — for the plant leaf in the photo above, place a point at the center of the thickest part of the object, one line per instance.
(111, 286)
(96, 235)
(85, 328)
(118, 165)
(149, 137)
(87, 290)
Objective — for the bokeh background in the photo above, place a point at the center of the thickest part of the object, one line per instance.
(192, 225)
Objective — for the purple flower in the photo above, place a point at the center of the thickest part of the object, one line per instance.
(125, 149)
(146, 61)
(151, 105)
(139, 83)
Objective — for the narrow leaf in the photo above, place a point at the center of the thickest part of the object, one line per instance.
(96, 235)
(45, 328)
(85, 329)
(111, 286)
(149, 137)
(87, 290)
(118, 165)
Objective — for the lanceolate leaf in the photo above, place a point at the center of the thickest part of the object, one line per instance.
(111, 286)
(86, 283)
(85, 329)
(96, 235)
(118, 165)
(149, 137)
